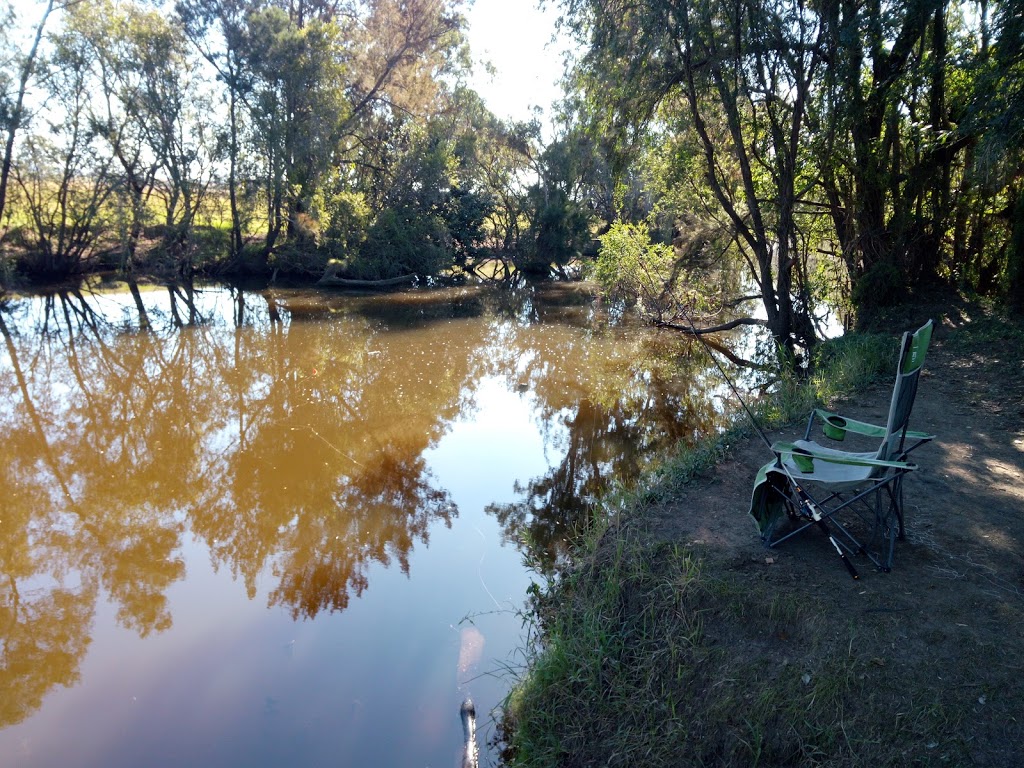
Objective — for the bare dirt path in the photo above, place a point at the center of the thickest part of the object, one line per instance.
(948, 621)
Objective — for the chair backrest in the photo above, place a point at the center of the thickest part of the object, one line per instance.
(912, 352)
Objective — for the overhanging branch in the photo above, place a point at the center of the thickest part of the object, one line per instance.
(694, 331)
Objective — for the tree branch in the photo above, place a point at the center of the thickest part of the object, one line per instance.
(694, 331)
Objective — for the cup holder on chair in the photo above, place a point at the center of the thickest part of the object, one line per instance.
(834, 427)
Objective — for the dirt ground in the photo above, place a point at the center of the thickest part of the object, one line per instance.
(948, 622)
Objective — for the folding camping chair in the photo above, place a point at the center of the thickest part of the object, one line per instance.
(858, 496)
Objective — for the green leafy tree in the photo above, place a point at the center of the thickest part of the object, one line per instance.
(878, 136)
(490, 209)
(156, 117)
(431, 217)
(64, 176)
(298, 109)
(630, 267)
(560, 204)
(216, 29)
(736, 78)
(15, 77)
(1000, 100)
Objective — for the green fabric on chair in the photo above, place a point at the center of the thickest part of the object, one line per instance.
(919, 342)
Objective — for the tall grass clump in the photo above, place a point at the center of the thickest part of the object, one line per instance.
(852, 362)
(837, 367)
(602, 628)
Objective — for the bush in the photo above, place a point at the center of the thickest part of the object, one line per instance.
(345, 218)
(301, 258)
(402, 243)
(632, 268)
(883, 285)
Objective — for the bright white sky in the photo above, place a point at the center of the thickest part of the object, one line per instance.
(516, 38)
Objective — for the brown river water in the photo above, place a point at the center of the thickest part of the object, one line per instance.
(290, 528)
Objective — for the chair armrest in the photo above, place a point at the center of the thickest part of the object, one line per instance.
(789, 449)
(835, 421)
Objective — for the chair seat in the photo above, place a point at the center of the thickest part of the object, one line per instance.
(840, 476)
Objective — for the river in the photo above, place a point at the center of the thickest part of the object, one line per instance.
(285, 527)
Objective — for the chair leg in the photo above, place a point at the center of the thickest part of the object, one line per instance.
(899, 507)
(888, 525)
(876, 527)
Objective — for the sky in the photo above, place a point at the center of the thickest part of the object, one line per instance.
(516, 38)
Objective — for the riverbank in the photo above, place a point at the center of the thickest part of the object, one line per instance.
(678, 640)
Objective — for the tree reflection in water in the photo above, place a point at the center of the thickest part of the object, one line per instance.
(613, 399)
(287, 432)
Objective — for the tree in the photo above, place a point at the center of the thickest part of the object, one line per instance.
(878, 70)
(64, 178)
(1000, 102)
(297, 110)
(868, 135)
(215, 28)
(325, 106)
(154, 122)
(171, 109)
(315, 90)
(12, 105)
(736, 77)
(491, 165)
(560, 203)
(431, 216)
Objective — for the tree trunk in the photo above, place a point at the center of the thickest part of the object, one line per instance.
(236, 220)
(1015, 254)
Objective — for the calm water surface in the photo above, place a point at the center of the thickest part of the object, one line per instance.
(292, 528)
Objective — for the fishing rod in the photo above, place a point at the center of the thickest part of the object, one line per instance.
(807, 504)
(470, 753)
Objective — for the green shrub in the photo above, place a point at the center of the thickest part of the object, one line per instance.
(883, 285)
(402, 243)
(632, 268)
(345, 218)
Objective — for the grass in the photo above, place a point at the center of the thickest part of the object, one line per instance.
(650, 661)
(646, 657)
(636, 670)
(839, 366)
(610, 618)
